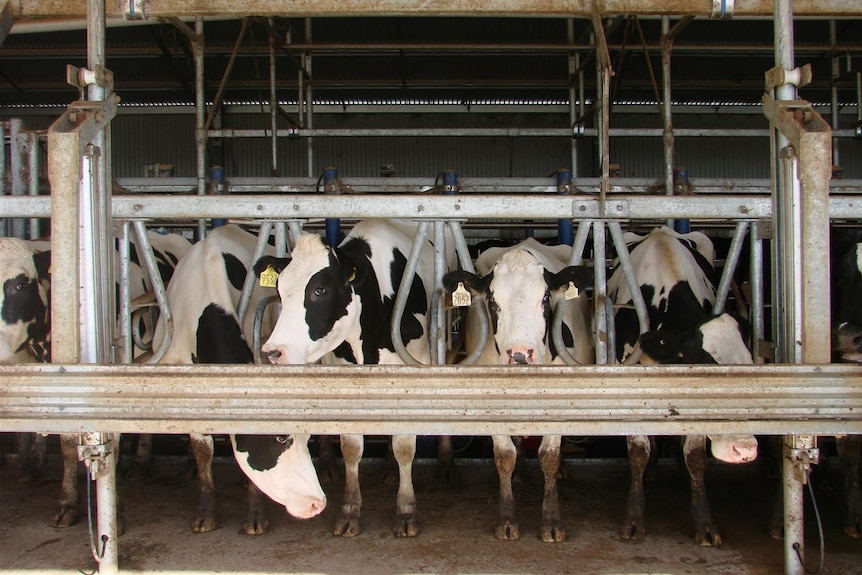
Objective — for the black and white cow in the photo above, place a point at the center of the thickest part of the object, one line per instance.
(676, 276)
(847, 345)
(25, 336)
(336, 305)
(521, 286)
(204, 296)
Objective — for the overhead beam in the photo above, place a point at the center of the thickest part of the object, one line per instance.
(34, 9)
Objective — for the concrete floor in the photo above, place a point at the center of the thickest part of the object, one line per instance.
(457, 526)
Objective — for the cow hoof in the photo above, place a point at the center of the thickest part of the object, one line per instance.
(255, 524)
(347, 527)
(554, 533)
(508, 531)
(708, 537)
(204, 524)
(66, 516)
(632, 531)
(406, 526)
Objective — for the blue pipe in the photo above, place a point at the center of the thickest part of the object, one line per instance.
(333, 225)
(450, 183)
(681, 187)
(217, 183)
(565, 230)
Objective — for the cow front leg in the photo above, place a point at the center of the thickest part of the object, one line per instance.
(327, 470)
(352, 447)
(142, 460)
(67, 511)
(30, 448)
(553, 530)
(705, 530)
(256, 521)
(849, 448)
(202, 448)
(505, 456)
(406, 516)
(446, 469)
(634, 524)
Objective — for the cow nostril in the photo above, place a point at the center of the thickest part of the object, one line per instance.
(272, 355)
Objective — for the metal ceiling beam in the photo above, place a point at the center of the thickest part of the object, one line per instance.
(33, 9)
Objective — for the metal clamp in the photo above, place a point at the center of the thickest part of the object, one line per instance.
(802, 450)
(578, 130)
(134, 10)
(721, 10)
(94, 449)
(778, 76)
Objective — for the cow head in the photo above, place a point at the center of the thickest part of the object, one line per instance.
(520, 294)
(319, 307)
(24, 309)
(281, 467)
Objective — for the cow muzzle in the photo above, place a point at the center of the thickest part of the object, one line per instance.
(520, 356)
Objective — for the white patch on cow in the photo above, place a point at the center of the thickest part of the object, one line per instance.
(664, 261)
(734, 448)
(859, 257)
(723, 341)
(16, 257)
(292, 482)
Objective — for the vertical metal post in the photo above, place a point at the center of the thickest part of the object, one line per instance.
(200, 118)
(758, 324)
(4, 223)
(16, 166)
(667, 137)
(217, 183)
(603, 354)
(33, 187)
(273, 103)
(309, 98)
(333, 225)
(565, 229)
(574, 68)
(833, 108)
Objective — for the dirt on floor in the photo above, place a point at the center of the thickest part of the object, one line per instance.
(457, 521)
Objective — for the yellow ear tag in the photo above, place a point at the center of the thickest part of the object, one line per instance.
(352, 276)
(572, 292)
(269, 277)
(461, 297)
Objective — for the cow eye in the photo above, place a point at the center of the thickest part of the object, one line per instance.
(281, 438)
(319, 291)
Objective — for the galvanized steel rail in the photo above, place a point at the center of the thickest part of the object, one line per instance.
(536, 400)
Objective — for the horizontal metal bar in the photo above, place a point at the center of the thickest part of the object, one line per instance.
(310, 8)
(596, 400)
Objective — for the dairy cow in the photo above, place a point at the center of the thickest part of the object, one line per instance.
(676, 278)
(25, 336)
(204, 296)
(847, 346)
(520, 287)
(336, 305)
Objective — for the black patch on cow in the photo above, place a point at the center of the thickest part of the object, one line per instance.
(23, 303)
(345, 352)
(220, 339)
(235, 269)
(327, 294)
(263, 450)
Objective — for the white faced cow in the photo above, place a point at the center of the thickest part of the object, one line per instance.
(675, 273)
(847, 343)
(339, 301)
(25, 335)
(204, 295)
(521, 285)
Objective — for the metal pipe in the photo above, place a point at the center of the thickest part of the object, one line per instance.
(273, 102)
(833, 95)
(257, 336)
(729, 267)
(4, 223)
(667, 136)
(758, 322)
(404, 291)
(580, 243)
(600, 295)
(248, 285)
(489, 132)
(146, 257)
(437, 325)
(33, 187)
(124, 305)
(466, 262)
(634, 287)
(309, 97)
(226, 76)
(16, 166)
(200, 118)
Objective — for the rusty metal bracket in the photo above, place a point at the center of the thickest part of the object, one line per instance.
(778, 76)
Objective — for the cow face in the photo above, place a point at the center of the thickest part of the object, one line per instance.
(520, 294)
(319, 308)
(720, 340)
(281, 467)
(24, 310)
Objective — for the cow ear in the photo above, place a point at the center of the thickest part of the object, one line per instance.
(42, 261)
(278, 264)
(477, 286)
(581, 276)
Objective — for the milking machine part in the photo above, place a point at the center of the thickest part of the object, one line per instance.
(804, 453)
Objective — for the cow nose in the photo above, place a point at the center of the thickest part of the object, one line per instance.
(272, 355)
(520, 357)
(744, 453)
(317, 507)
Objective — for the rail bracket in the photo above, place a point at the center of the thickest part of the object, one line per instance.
(94, 450)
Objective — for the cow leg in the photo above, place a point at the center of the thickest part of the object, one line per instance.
(553, 530)
(705, 530)
(205, 517)
(256, 522)
(140, 468)
(505, 456)
(30, 448)
(634, 524)
(352, 447)
(446, 469)
(849, 448)
(67, 512)
(406, 517)
(326, 457)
